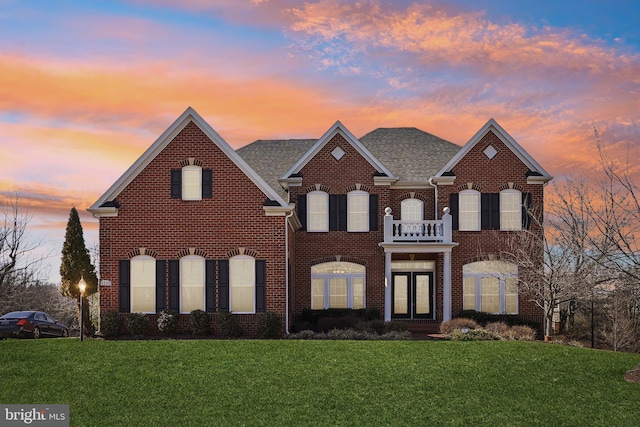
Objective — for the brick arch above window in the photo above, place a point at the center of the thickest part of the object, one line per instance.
(412, 195)
(242, 251)
(142, 251)
(317, 187)
(192, 251)
(511, 186)
(191, 161)
(470, 186)
(338, 258)
(358, 187)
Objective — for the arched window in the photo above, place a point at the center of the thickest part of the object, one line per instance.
(469, 208)
(412, 210)
(143, 286)
(192, 276)
(510, 210)
(338, 284)
(490, 287)
(317, 211)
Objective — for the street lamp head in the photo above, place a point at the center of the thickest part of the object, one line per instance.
(82, 285)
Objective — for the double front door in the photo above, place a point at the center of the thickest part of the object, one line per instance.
(412, 295)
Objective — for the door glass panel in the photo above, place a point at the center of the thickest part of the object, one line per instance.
(423, 303)
(338, 293)
(400, 295)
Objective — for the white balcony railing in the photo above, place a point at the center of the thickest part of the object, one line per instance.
(431, 231)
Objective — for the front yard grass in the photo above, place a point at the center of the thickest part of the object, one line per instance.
(320, 383)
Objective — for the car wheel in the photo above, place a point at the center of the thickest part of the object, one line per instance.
(65, 333)
(36, 332)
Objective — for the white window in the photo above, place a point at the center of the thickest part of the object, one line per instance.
(242, 284)
(411, 210)
(490, 287)
(143, 284)
(317, 211)
(358, 211)
(191, 283)
(192, 183)
(469, 207)
(337, 284)
(510, 210)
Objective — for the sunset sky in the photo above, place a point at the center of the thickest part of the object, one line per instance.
(87, 86)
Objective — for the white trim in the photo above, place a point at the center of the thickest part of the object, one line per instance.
(338, 128)
(190, 115)
(507, 140)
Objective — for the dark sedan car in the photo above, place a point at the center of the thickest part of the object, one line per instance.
(35, 324)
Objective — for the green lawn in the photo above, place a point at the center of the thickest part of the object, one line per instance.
(321, 383)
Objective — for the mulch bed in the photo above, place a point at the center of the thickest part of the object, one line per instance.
(633, 376)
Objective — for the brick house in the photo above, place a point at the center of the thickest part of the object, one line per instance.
(398, 220)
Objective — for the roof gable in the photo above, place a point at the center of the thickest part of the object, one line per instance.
(338, 128)
(105, 204)
(538, 171)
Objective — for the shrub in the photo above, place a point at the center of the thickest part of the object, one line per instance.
(373, 326)
(110, 324)
(473, 335)
(137, 323)
(306, 334)
(498, 328)
(521, 333)
(228, 325)
(167, 321)
(200, 323)
(326, 324)
(350, 334)
(457, 324)
(313, 317)
(269, 325)
(395, 326)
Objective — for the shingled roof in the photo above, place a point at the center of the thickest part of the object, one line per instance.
(409, 153)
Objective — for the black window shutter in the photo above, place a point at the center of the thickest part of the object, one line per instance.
(207, 183)
(526, 211)
(176, 183)
(161, 281)
(495, 211)
(223, 284)
(333, 212)
(125, 286)
(261, 286)
(302, 211)
(174, 285)
(373, 212)
(210, 286)
(454, 208)
(485, 211)
(342, 212)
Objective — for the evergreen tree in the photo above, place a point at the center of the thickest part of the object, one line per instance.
(76, 263)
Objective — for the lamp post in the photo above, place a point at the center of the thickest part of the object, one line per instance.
(82, 285)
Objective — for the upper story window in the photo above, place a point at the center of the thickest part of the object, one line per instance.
(358, 211)
(317, 211)
(469, 210)
(192, 281)
(143, 285)
(510, 210)
(191, 183)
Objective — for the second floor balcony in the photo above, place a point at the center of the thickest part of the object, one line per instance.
(426, 231)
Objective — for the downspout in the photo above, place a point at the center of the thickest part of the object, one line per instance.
(435, 186)
(286, 270)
